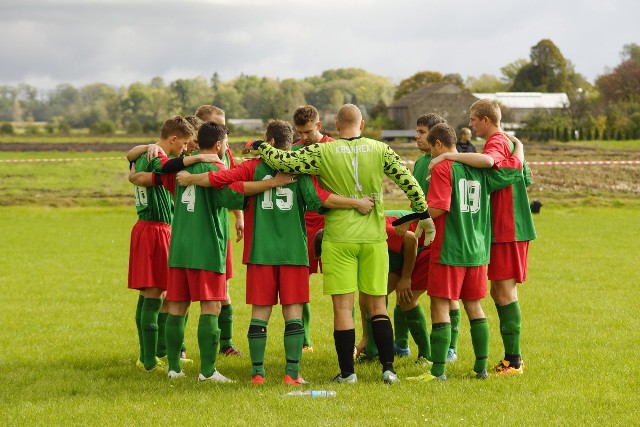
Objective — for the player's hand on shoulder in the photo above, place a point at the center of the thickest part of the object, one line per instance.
(281, 179)
(183, 178)
(436, 160)
(153, 151)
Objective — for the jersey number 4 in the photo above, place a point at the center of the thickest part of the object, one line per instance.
(189, 198)
(284, 197)
(469, 195)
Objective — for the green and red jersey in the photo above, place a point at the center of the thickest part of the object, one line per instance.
(353, 167)
(463, 232)
(200, 230)
(421, 172)
(314, 220)
(394, 240)
(511, 215)
(275, 232)
(153, 203)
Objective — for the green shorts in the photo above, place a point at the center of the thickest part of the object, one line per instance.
(350, 267)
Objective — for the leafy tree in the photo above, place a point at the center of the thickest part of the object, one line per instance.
(416, 81)
(485, 83)
(547, 71)
(7, 129)
(623, 84)
(510, 71)
(630, 51)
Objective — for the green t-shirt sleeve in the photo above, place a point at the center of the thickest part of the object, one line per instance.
(498, 179)
(307, 160)
(399, 174)
(309, 194)
(231, 199)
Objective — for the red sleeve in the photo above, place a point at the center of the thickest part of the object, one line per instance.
(323, 194)
(232, 162)
(439, 195)
(242, 172)
(497, 148)
(163, 159)
(169, 182)
(394, 241)
(509, 163)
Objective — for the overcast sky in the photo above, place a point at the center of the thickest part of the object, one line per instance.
(47, 42)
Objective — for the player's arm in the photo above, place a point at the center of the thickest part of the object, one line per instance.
(409, 254)
(335, 201)
(138, 151)
(476, 160)
(307, 160)
(399, 174)
(143, 179)
(249, 188)
(179, 163)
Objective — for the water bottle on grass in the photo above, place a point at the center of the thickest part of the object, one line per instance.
(312, 393)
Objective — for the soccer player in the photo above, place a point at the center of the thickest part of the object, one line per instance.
(354, 246)
(197, 257)
(459, 205)
(306, 120)
(512, 229)
(150, 236)
(275, 249)
(408, 273)
(422, 175)
(217, 115)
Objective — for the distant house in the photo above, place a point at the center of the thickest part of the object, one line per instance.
(249, 125)
(521, 104)
(445, 99)
(453, 102)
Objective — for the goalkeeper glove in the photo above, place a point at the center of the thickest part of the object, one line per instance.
(427, 227)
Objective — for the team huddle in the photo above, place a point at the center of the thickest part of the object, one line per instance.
(317, 205)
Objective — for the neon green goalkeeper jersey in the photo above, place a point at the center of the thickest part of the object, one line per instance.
(353, 167)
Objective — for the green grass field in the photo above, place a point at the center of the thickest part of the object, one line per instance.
(70, 343)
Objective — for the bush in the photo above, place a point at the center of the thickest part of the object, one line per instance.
(32, 130)
(134, 128)
(103, 127)
(7, 129)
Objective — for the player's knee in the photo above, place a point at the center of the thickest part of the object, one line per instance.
(293, 326)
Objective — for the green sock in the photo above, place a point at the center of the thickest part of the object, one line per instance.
(455, 328)
(183, 346)
(175, 336)
(257, 336)
(293, 340)
(162, 335)
(400, 328)
(208, 341)
(139, 325)
(480, 342)
(510, 323)
(306, 321)
(440, 338)
(225, 323)
(417, 323)
(370, 350)
(149, 323)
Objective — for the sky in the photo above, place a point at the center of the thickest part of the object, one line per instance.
(48, 42)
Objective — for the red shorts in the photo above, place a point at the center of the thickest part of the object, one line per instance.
(454, 282)
(229, 267)
(315, 264)
(509, 261)
(266, 282)
(188, 284)
(149, 255)
(420, 275)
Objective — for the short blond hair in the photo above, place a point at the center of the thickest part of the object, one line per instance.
(178, 126)
(207, 112)
(487, 108)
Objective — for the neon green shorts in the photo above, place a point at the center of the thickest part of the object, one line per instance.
(349, 267)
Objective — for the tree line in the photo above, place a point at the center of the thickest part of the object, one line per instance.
(608, 108)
